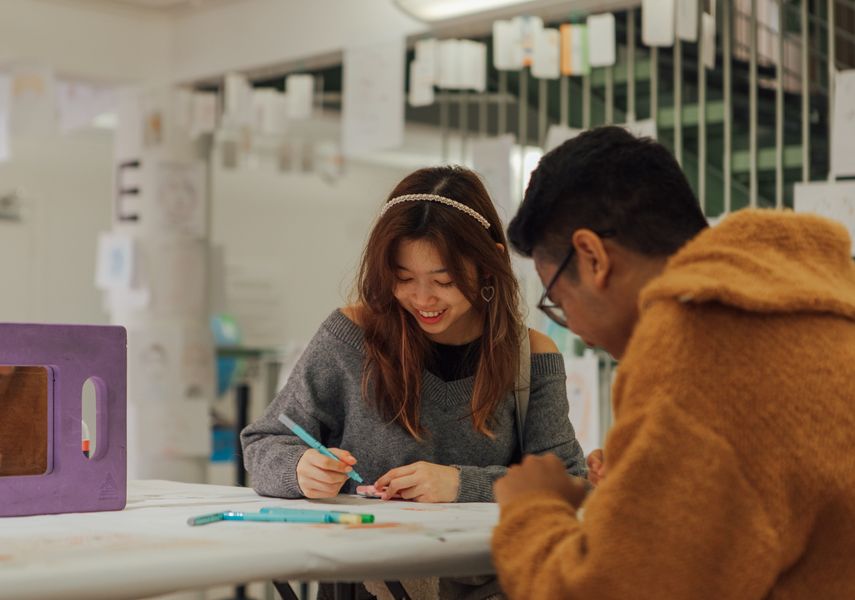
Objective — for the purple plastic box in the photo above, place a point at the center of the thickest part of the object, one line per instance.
(72, 482)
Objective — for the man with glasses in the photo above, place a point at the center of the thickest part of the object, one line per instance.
(729, 471)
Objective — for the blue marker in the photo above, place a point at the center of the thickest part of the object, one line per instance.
(306, 437)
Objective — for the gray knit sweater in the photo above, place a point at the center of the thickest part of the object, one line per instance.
(323, 396)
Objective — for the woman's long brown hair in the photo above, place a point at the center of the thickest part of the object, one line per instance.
(395, 345)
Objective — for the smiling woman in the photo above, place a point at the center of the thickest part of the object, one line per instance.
(416, 379)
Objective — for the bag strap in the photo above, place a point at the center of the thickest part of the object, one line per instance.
(522, 387)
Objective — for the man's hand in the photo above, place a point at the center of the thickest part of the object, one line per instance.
(420, 481)
(596, 467)
(539, 474)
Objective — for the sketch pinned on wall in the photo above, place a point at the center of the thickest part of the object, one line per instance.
(843, 137)
(33, 100)
(491, 159)
(300, 93)
(546, 60)
(78, 104)
(574, 50)
(834, 200)
(602, 41)
(178, 204)
(421, 84)
(373, 108)
(657, 22)
(507, 46)
(687, 20)
(708, 33)
(115, 263)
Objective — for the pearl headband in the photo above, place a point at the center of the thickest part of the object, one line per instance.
(434, 198)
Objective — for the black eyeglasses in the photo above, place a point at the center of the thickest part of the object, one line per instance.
(549, 308)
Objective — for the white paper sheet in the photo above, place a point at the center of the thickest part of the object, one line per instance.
(116, 261)
(708, 25)
(421, 84)
(474, 62)
(687, 20)
(237, 109)
(300, 92)
(270, 111)
(657, 22)
(601, 40)
(204, 115)
(547, 54)
(843, 133)
(834, 200)
(491, 159)
(79, 103)
(426, 54)
(175, 199)
(450, 74)
(507, 46)
(373, 110)
(33, 100)
(583, 393)
(558, 134)
(529, 28)
(574, 50)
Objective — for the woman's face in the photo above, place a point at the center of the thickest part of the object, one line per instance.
(426, 290)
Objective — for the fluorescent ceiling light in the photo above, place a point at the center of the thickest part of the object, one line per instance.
(438, 10)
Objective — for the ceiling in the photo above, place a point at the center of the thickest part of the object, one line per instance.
(155, 6)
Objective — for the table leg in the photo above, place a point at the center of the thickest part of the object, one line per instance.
(285, 590)
(344, 591)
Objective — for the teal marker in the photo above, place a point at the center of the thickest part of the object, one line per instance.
(306, 437)
(319, 516)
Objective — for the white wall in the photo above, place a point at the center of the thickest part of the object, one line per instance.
(259, 33)
(110, 45)
(47, 260)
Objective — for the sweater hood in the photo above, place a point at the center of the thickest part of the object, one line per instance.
(764, 261)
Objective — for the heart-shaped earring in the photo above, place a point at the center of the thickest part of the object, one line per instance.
(488, 292)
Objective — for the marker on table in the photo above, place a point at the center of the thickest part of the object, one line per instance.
(318, 516)
(284, 515)
(306, 437)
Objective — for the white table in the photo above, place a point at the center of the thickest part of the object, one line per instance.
(148, 548)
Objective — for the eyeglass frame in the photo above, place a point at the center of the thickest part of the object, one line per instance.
(547, 308)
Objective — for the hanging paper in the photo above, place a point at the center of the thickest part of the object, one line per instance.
(601, 40)
(507, 46)
(474, 65)
(300, 91)
(547, 54)
(583, 395)
(451, 67)
(115, 264)
(491, 159)
(830, 199)
(687, 20)
(426, 54)
(373, 107)
(708, 26)
(574, 50)
(657, 22)
(529, 28)
(843, 136)
(421, 84)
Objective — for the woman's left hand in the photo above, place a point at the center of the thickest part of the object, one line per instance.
(420, 481)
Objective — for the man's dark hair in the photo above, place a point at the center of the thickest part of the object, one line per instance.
(606, 179)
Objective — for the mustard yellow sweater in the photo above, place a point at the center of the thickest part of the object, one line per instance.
(731, 463)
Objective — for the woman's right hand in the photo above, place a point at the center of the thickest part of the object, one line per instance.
(320, 476)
